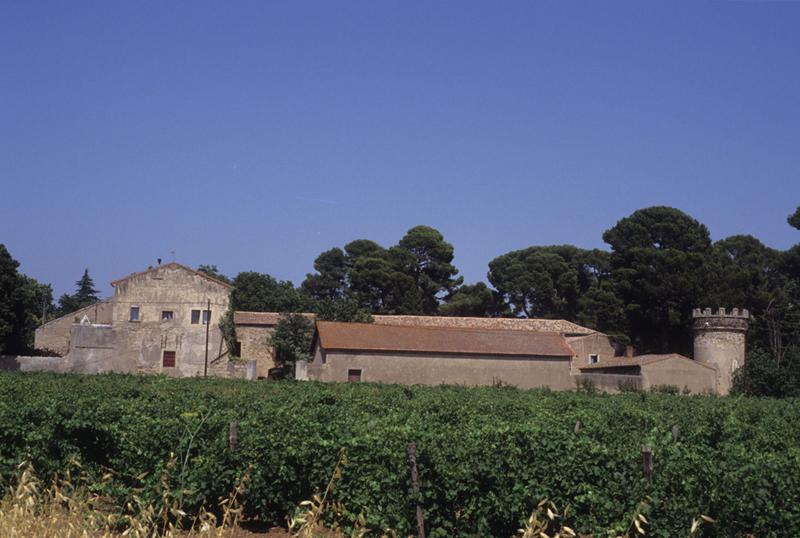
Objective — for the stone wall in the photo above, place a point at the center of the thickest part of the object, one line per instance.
(253, 341)
(14, 363)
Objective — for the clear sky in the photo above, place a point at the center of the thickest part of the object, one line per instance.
(255, 135)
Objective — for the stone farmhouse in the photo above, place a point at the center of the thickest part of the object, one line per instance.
(162, 320)
(166, 320)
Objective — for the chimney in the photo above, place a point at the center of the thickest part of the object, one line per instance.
(630, 351)
(159, 261)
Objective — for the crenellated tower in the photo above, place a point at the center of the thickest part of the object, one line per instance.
(719, 342)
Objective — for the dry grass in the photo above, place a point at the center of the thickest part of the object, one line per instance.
(68, 508)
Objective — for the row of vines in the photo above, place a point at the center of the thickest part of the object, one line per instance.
(486, 456)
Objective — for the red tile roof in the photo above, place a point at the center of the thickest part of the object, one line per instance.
(376, 337)
(639, 360)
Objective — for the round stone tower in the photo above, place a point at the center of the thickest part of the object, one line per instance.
(719, 342)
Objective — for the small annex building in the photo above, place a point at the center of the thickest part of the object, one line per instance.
(433, 355)
(646, 372)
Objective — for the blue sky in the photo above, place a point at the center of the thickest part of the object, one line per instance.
(255, 135)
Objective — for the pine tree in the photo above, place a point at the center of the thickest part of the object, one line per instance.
(85, 295)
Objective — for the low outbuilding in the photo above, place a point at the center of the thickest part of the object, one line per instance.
(648, 371)
(438, 355)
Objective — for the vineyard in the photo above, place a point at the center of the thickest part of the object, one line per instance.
(486, 456)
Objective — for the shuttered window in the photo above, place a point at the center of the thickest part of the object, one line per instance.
(168, 360)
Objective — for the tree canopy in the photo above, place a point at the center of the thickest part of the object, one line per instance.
(24, 305)
(412, 277)
(259, 292)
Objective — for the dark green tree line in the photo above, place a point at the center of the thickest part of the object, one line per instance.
(24, 305)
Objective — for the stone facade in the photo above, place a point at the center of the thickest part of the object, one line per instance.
(719, 342)
(155, 323)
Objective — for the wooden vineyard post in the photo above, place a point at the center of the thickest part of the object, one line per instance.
(675, 433)
(647, 462)
(412, 463)
(233, 435)
(578, 427)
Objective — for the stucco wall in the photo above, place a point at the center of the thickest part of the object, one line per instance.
(55, 334)
(92, 351)
(456, 369)
(684, 374)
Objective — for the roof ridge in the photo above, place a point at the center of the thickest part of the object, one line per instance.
(173, 264)
(440, 327)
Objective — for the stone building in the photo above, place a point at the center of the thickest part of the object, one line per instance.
(162, 320)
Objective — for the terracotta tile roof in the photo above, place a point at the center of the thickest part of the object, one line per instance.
(639, 360)
(377, 337)
(518, 324)
(171, 265)
(261, 318)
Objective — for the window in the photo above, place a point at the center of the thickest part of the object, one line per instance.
(593, 359)
(134, 313)
(206, 316)
(195, 317)
(166, 315)
(354, 376)
(168, 360)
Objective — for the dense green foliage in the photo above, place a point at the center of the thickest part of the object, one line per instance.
(24, 304)
(486, 456)
(291, 339)
(412, 277)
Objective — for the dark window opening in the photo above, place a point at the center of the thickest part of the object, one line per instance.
(195, 317)
(167, 315)
(354, 376)
(206, 316)
(168, 360)
(593, 359)
(134, 313)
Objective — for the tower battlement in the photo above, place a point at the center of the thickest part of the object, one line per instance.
(721, 313)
